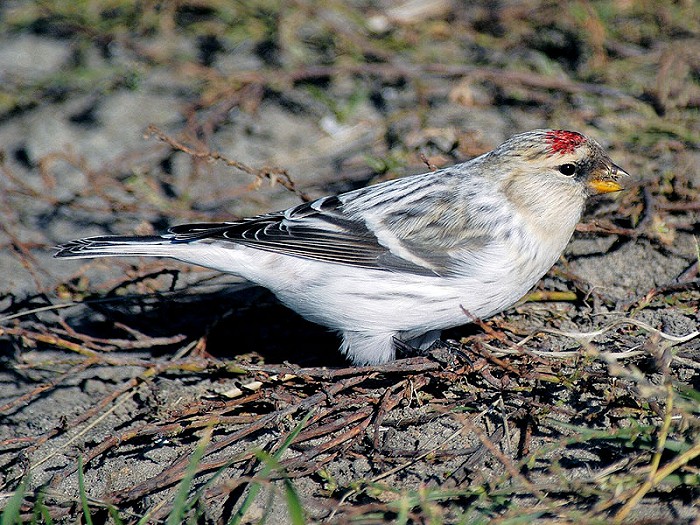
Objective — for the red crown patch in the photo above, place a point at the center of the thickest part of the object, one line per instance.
(561, 141)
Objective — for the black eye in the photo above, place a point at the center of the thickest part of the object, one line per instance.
(567, 169)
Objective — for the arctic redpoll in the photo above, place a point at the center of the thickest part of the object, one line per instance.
(397, 262)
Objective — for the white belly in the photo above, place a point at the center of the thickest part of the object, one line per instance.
(349, 298)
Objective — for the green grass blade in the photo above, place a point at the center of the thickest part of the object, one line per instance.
(83, 494)
(296, 512)
(180, 505)
(10, 515)
(114, 514)
(41, 512)
(270, 463)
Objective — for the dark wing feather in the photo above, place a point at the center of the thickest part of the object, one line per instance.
(318, 230)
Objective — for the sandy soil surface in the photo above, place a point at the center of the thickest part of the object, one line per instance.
(147, 379)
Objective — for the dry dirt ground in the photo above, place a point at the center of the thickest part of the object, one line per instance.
(140, 391)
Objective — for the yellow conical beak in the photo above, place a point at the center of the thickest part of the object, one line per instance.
(607, 181)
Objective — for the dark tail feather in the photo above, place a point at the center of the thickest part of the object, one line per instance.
(113, 246)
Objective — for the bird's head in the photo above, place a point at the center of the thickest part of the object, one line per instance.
(547, 175)
(545, 160)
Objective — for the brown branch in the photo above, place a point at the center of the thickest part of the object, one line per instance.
(273, 174)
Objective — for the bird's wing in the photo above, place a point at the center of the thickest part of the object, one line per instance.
(388, 228)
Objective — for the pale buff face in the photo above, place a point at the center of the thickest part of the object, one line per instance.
(548, 175)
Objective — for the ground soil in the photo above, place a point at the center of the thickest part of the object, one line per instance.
(122, 119)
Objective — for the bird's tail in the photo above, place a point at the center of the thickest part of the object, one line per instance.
(115, 246)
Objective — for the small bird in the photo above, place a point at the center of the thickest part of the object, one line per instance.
(393, 264)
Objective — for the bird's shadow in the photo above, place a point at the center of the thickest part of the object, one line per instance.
(235, 321)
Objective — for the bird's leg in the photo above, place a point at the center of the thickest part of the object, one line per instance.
(417, 346)
(426, 345)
